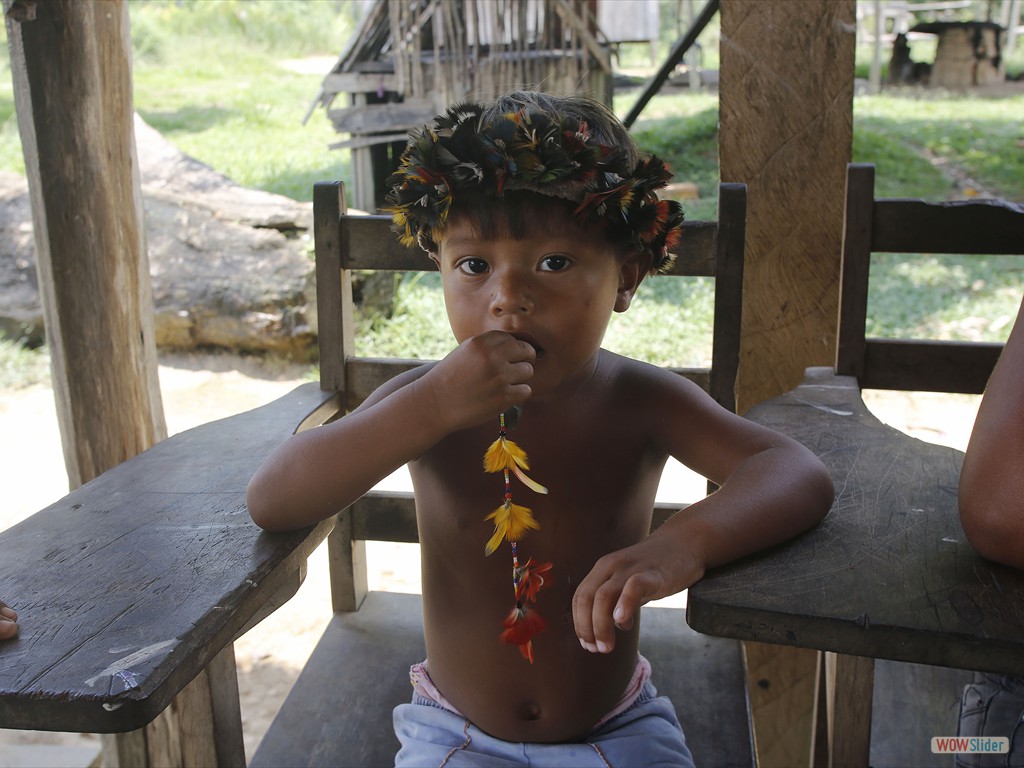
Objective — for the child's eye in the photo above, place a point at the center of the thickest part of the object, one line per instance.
(473, 266)
(554, 263)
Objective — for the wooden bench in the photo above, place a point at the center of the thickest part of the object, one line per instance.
(339, 710)
(133, 587)
(895, 509)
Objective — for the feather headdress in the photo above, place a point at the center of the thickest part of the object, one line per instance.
(471, 151)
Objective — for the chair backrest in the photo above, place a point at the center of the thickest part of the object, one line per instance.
(892, 225)
(345, 243)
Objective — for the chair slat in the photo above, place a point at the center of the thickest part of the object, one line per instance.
(892, 225)
(369, 242)
(928, 366)
(960, 226)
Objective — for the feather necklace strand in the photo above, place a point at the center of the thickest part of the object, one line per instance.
(511, 523)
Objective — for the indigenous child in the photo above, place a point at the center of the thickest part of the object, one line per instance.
(543, 219)
(991, 500)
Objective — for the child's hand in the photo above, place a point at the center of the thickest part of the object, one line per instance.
(8, 622)
(622, 581)
(484, 376)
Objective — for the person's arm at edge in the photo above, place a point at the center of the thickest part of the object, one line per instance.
(991, 492)
(8, 622)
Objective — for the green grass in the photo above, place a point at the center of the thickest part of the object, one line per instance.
(244, 122)
(227, 99)
(22, 367)
(978, 136)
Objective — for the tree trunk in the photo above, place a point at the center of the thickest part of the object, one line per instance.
(71, 65)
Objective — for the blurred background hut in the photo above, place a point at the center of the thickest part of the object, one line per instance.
(410, 59)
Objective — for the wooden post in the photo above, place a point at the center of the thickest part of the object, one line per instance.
(71, 66)
(849, 682)
(786, 130)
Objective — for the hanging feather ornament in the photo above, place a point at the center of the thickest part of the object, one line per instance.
(511, 523)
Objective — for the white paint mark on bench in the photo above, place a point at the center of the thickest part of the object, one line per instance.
(132, 659)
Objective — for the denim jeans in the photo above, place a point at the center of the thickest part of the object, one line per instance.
(993, 705)
(646, 734)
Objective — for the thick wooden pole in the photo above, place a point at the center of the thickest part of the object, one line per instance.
(71, 66)
(786, 130)
(786, 101)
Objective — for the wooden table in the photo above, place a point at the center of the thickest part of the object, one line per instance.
(888, 574)
(132, 588)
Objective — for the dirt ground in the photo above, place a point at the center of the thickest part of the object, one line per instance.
(200, 388)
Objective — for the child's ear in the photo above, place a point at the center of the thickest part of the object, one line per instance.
(631, 274)
(435, 258)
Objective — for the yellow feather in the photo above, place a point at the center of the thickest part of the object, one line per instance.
(504, 454)
(529, 482)
(511, 521)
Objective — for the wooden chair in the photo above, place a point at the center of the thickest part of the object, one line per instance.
(914, 226)
(339, 710)
(914, 702)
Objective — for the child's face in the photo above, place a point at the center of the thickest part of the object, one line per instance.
(555, 288)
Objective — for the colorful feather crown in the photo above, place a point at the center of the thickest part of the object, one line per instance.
(467, 155)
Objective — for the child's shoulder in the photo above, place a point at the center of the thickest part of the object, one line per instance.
(631, 369)
(629, 379)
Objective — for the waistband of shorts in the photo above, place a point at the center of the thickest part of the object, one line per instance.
(425, 692)
(638, 690)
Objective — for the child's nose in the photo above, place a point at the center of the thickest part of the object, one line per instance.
(511, 295)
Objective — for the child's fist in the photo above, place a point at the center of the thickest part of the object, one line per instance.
(484, 376)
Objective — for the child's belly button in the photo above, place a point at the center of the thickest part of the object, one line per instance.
(530, 710)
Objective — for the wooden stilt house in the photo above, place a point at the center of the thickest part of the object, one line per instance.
(409, 59)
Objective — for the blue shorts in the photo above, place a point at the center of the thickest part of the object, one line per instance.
(646, 734)
(993, 705)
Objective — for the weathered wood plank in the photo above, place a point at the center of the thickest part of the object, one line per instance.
(369, 242)
(328, 206)
(928, 366)
(795, 167)
(131, 585)
(959, 226)
(889, 573)
(346, 554)
(728, 318)
(849, 681)
(359, 82)
(383, 118)
(856, 262)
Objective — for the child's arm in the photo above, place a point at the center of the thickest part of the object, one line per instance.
(772, 488)
(8, 622)
(991, 481)
(316, 473)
